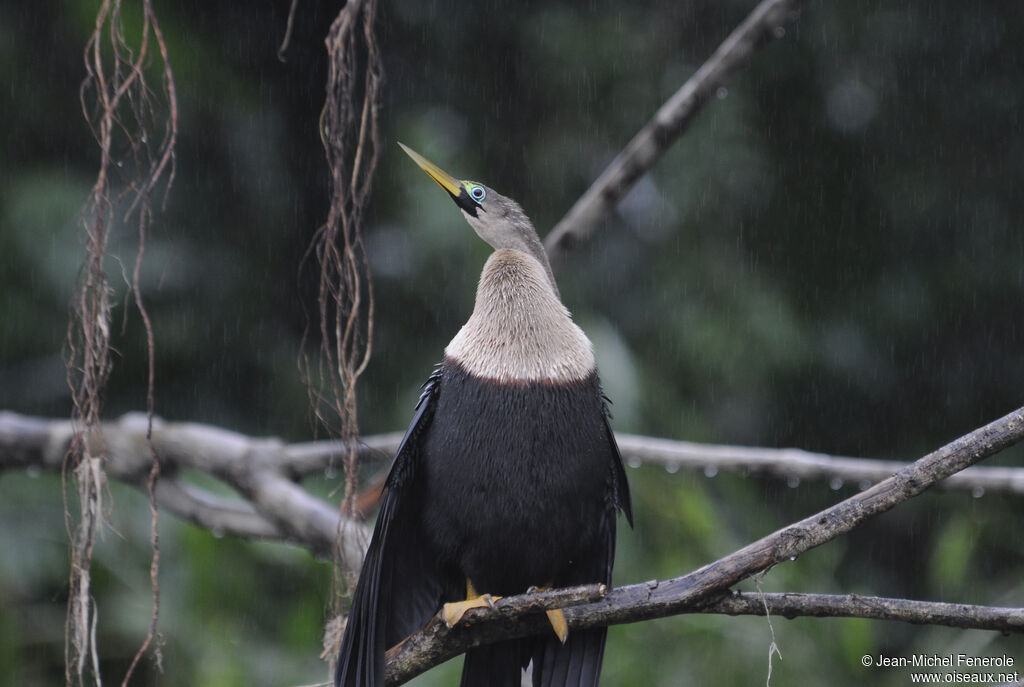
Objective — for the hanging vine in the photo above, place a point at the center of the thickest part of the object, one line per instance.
(349, 132)
(121, 110)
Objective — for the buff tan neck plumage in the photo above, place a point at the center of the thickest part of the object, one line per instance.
(508, 477)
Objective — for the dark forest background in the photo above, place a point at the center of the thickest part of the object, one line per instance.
(832, 258)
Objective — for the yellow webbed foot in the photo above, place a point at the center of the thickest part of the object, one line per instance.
(452, 612)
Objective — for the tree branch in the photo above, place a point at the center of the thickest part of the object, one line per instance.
(658, 599)
(221, 516)
(300, 460)
(275, 507)
(796, 463)
(27, 441)
(790, 605)
(672, 119)
(437, 642)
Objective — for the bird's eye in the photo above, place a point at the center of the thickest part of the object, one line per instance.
(477, 193)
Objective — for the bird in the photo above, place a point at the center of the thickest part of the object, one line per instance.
(508, 479)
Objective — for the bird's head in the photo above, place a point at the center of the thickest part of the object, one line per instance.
(496, 219)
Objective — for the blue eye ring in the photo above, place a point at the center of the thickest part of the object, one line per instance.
(476, 192)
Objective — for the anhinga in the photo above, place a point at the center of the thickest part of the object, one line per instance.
(508, 478)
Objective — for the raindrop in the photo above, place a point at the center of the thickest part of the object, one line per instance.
(32, 471)
(144, 139)
(672, 468)
(722, 92)
(217, 533)
(978, 492)
(710, 470)
(792, 558)
(633, 462)
(793, 482)
(836, 483)
(779, 31)
(120, 163)
(864, 484)
(330, 472)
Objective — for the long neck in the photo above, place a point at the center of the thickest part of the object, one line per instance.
(536, 249)
(519, 330)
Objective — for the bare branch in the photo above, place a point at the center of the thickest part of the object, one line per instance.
(275, 506)
(800, 464)
(436, 642)
(650, 143)
(789, 605)
(787, 463)
(219, 515)
(658, 599)
(23, 439)
(322, 456)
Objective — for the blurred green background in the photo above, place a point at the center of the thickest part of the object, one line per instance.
(831, 258)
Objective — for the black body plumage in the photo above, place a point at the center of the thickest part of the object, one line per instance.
(521, 479)
(509, 485)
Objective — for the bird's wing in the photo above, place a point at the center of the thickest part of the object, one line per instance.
(399, 588)
(620, 485)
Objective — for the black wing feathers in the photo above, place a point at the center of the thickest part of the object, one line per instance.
(620, 485)
(496, 665)
(386, 609)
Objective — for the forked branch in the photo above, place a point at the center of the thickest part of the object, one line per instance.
(658, 599)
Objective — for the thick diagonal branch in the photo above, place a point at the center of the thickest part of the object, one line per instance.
(437, 642)
(658, 599)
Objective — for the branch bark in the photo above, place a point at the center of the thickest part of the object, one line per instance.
(672, 119)
(671, 454)
(437, 642)
(658, 599)
(794, 463)
(36, 442)
(274, 506)
(790, 605)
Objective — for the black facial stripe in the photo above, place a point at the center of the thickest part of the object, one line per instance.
(464, 201)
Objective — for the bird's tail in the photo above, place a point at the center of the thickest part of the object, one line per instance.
(577, 663)
(496, 665)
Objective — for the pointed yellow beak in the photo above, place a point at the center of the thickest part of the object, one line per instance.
(446, 181)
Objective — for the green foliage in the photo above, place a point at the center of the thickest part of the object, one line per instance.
(829, 259)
